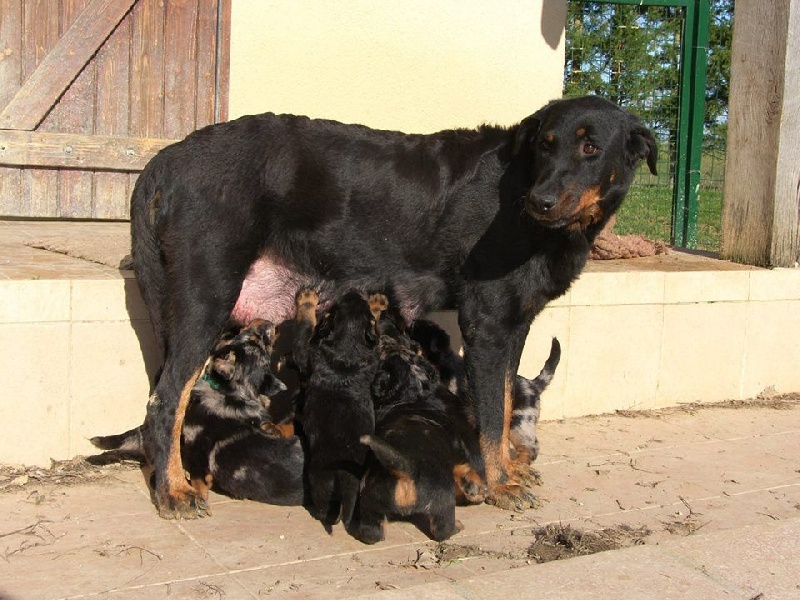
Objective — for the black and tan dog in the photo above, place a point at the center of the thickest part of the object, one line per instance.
(233, 221)
(337, 359)
(228, 439)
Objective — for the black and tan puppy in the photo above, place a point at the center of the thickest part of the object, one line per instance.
(228, 439)
(337, 360)
(410, 475)
(434, 343)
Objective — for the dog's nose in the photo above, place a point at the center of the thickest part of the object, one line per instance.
(543, 202)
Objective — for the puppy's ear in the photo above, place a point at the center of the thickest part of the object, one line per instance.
(526, 131)
(224, 365)
(272, 385)
(641, 144)
(381, 383)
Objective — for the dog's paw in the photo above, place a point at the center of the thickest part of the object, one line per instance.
(185, 503)
(378, 303)
(525, 473)
(470, 487)
(512, 496)
(307, 301)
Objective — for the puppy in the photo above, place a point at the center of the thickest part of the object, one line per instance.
(527, 407)
(337, 360)
(228, 440)
(411, 471)
(526, 402)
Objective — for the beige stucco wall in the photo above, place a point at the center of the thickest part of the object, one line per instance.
(412, 65)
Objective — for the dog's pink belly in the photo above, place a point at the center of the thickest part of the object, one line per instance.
(268, 292)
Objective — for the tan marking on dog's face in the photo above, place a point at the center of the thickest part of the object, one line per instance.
(613, 177)
(550, 136)
(581, 132)
(588, 210)
(405, 490)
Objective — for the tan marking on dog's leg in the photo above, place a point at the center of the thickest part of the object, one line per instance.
(178, 487)
(405, 491)
(469, 485)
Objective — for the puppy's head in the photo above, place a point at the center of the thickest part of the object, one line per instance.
(239, 366)
(582, 154)
(347, 328)
(403, 376)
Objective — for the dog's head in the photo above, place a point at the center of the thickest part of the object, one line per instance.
(404, 375)
(239, 366)
(347, 329)
(583, 154)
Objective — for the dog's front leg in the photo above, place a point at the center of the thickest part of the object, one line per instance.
(491, 359)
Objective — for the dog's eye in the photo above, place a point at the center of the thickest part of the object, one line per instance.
(545, 145)
(589, 149)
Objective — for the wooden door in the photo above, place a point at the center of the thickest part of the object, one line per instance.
(90, 90)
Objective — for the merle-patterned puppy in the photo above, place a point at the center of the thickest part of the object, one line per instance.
(228, 440)
(527, 408)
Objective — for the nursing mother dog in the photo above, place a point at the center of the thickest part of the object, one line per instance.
(231, 222)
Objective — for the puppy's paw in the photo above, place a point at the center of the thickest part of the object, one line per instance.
(306, 302)
(378, 303)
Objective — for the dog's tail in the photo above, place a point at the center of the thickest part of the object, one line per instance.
(124, 446)
(528, 391)
(386, 454)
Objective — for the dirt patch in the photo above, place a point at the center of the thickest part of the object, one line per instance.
(558, 542)
(767, 400)
(61, 472)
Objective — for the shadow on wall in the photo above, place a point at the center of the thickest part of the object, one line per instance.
(554, 18)
(140, 322)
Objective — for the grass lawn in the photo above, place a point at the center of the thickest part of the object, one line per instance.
(647, 211)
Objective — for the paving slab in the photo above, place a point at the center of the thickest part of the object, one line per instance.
(716, 491)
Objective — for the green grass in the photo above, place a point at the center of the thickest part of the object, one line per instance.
(647, 211)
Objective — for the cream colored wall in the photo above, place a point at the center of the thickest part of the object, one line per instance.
(413, 65)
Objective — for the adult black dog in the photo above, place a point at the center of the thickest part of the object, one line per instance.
(231, 222)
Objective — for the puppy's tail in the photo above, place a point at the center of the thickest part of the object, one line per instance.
(528, 391)
(390, 458)
(124, 446)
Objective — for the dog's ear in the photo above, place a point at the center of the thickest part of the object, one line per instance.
(272, 385)
(526, 130)
(224, 365)
(641, 144)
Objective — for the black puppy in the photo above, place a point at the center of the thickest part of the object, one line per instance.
(228, 440)
(233, 221)
(411, 474)
(337, 360)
